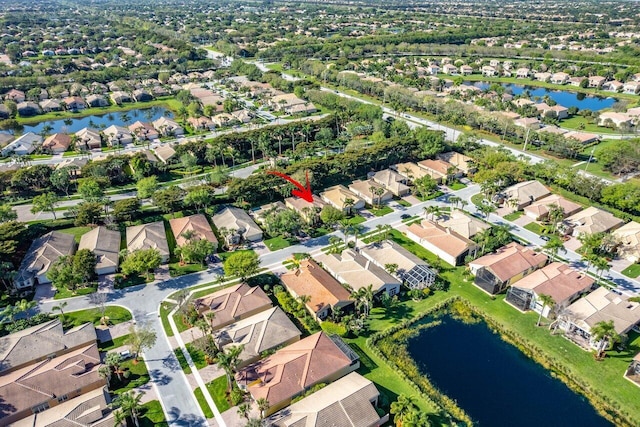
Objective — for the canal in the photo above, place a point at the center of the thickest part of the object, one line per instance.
(493, 381)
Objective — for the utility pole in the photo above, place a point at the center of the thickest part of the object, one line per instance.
(526, 139)
(590, 158)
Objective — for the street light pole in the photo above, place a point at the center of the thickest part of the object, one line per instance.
(590, 158)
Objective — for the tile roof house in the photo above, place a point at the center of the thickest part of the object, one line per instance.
(42, 254)
(496, 271)
(410, 171)
(240, 223)
(168, 127)
(36, 343)
(358, 272)
(90, 138)
(49, 105)
(74, 103)
(629, 237)
(337, 195)
(350, 401)
(232, 304)
(523, 194)
(447, 244)
(294, 369)
(414, 272)
(460, 161)
(261, 332)
(437, 169)
(365, 190)
(118, 136)
(528, 122)
(40, 385)
(392, 181)
(22, 145)
(557, 280)
(600, 305)
(144, 131)
(148, 236)
(95, 100)
(105, 244)
(465, 225)
(325, 293)
(57, 143)
(301, 206)
(201, 123)
(15, 95)
(539, 209)
(197, 225)
(591, 220)
(119, 97)
(165, 153)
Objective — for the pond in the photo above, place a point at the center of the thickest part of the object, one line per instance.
(122, 118)
(563, 97)
(493, 381)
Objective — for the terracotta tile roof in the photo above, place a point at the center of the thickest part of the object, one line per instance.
(311, 280)
(445, 239)
(233, 303)
(293, 369)
(557, 280)
(439, 167)
(541, 207)
(298, 204)
(526, 192)
(197, 224)
(510, 260)
(57, 141)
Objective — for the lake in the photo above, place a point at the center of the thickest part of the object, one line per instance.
(562, 97)
(122, 118)
(494, 382)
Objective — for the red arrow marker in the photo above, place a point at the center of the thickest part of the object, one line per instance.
(302, 192)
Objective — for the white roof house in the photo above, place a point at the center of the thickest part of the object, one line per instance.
(414, 272)
(23, 145)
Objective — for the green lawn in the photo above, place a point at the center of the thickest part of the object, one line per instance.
(206, 409)
(139, 376)
(403, 202)
(477, 199)
(218, 389)
(382, 211)
(277, 243)
(113, 344)
(152, 415)
(165, 309)
(582, 124)
(115, 314)
(513, 215)
(536, 228)
(62, 293)
(632, 271)
(77, 232)
(197, 356)
(175, 269)
(357, 219)
(182, 360)
(224, 255)
(457, 186)
(605, 376)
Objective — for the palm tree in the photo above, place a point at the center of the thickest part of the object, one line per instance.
(601, 264)
(113, 361)
(431, 212)
(554, 245)
(604, 333)
(454, 200)
(486, 209)
(243, 410)
(60, 307)
(105, 373)
(128, 406)
(348, 205)
(416, 418)
(228, 361)
(263, 406)
(547, 301)
(401, 408)
(463, 203)
(556, 214)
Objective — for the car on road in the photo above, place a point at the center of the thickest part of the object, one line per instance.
(545, 238)
(405, 216)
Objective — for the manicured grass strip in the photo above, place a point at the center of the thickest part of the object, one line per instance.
(112, 344)
(92, 315)
(382, 211)
(63, 293)
(197, 356)
(182, 360)
(175, 269)
(457, 186)
(218, 391)
(513, 215)
(632, 271)
(139, 376)
(403, 202)
(152, 415)
(536, 228)
(358, 219)
(77, 232)
(165, 309)
(277, 243)
(208, 413)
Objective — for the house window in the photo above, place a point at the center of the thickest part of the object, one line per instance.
(393, 291)
(42, 407)
(63, 398)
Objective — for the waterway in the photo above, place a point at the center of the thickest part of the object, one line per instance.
(494, 382)
(562, 97)
(122, 118)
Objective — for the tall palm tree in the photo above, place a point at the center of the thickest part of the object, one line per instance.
(228, 361)
(556, 214)
(601, 264)
(243, 410)
(554, 245)
(547, 301)
(60, 307)
(128, 405)
(263, 406)
(604, 333)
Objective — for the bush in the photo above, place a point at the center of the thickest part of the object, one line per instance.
(333, 328)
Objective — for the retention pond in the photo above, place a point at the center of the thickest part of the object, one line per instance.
(493, 381)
